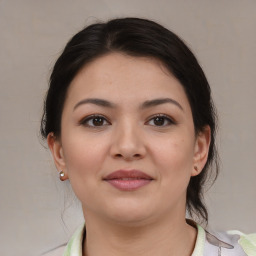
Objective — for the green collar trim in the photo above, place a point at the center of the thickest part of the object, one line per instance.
(200, 242)
(74, 246)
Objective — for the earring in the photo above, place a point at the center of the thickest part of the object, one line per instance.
(61, 175)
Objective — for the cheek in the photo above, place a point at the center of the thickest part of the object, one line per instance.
(174, 158)
(83, 157)
(175, 152)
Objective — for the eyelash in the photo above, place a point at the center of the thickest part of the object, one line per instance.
(86, 120)
(90, 118)
(166, 118)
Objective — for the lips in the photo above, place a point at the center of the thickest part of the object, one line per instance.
(128, 180)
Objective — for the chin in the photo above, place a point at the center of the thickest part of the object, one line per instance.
(130, 215)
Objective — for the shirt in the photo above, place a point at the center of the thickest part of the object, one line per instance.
(231, 243)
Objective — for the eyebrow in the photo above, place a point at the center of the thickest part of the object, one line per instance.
(146, 104)
(155, 102)
(98, 102)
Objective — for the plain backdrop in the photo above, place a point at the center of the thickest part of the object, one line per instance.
(222, 34)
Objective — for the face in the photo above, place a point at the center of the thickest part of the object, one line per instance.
(128, 144)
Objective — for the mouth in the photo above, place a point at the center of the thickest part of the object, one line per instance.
(128, 180)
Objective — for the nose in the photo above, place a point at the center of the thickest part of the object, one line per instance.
(128, 143)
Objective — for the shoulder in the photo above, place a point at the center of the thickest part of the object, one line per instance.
(246, 241)
(58, 251)
(232, 243)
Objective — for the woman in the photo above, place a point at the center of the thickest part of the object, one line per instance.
(130, 122)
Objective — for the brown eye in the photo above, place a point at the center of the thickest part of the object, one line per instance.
(95, 121)
(98, 121)
(160, 120)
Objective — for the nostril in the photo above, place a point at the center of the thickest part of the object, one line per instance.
(128, 156)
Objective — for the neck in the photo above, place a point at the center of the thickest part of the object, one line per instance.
(171, 236)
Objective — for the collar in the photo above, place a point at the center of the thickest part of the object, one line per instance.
(205, 242)
(74, 246)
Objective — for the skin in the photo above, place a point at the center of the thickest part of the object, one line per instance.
(149, 220)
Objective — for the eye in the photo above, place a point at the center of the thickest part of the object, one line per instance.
(95, 121)
(160, 120)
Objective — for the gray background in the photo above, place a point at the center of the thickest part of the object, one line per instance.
(222, 33)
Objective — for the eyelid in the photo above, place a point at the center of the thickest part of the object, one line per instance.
(88, 118)
(84, 120)
(169, 118)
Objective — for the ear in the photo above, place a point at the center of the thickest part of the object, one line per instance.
(55, 146)
(201, 150)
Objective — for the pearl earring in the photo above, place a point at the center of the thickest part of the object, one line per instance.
(61, 175)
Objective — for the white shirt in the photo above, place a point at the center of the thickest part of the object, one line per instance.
(232, 243)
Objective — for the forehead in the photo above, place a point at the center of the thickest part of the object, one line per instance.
(120, 77)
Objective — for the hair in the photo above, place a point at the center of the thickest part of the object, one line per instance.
(142, 38)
